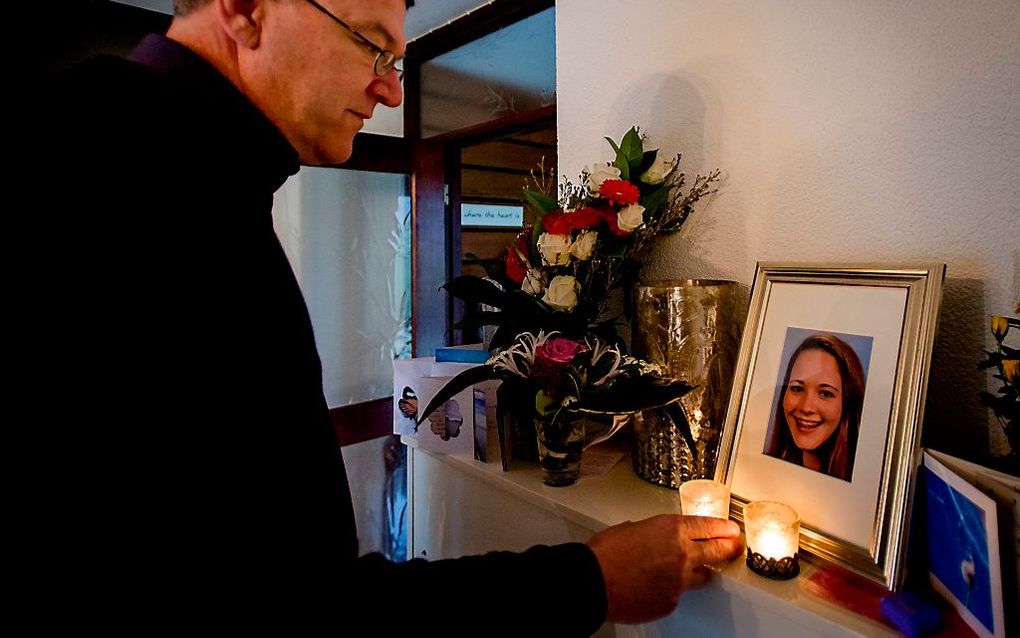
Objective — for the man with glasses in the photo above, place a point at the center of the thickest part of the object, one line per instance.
(186, 470)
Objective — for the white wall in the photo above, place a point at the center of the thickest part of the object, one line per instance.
(847, 131)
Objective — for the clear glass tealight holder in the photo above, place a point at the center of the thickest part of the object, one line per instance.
(702, 497)
(773, 538)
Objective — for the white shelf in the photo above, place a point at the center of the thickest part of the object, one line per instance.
(596, 502)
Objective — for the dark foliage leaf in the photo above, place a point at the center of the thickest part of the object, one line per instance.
(647, 160)
(481, 318)
(676, 414)
(457, 384)
(629, 395)
(476, 290)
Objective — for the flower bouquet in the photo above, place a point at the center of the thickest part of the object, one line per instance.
(567, 380)
(556, 344)
(559, 272)
(1005, 360)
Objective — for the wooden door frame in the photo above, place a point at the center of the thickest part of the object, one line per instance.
(435, 234)
(429, 319)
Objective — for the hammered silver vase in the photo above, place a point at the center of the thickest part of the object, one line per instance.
(691, 328)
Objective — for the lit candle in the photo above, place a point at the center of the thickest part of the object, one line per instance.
(773, 537)
(702, 497)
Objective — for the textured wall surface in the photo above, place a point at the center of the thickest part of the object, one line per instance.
(846, 132)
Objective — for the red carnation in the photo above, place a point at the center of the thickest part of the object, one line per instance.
(584, 218)
(556, 223)
(620, 191)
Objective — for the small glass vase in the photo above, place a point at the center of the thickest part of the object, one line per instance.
(560, 443)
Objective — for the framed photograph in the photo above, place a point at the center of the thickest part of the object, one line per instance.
(827, 402)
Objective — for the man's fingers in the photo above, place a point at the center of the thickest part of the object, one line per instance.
(716, 551)
(696, 578)
(704, 527)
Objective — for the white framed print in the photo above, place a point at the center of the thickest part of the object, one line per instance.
(827, 403)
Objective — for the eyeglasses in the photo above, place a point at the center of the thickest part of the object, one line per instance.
(385, 61)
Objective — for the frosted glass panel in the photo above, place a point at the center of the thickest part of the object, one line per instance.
(347, 235)
(512, 70)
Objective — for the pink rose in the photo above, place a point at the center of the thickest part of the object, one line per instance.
(550, 359)
(558, 351)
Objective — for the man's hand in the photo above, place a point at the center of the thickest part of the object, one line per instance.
(647, 565)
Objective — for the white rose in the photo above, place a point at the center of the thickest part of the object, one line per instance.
(599, 173)
(561, 293)
(584, 245)
(534, 282)
(555, 249)
(630, 217)
(657, 172)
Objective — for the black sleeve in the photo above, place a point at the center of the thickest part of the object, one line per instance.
(176, 464)
(545, 591)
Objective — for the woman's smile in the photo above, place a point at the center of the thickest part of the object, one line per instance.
(813, 401)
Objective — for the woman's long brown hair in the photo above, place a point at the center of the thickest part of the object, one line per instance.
(838, 451)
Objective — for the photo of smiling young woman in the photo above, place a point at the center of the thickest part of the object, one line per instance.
(818, 403)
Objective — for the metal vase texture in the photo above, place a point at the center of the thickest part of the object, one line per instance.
(691, 328)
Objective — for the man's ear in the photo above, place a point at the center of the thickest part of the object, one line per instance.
(241, 20)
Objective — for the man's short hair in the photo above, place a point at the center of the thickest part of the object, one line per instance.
(184, 7)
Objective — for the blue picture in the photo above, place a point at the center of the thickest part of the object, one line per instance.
(958, 547)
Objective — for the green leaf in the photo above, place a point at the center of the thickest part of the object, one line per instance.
(540, 201)
(630, 146)
(616, 149)
(457, 384)
(622, 164)
(544, 404)
(654, 200)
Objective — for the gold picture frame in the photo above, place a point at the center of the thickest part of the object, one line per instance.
(849, 473)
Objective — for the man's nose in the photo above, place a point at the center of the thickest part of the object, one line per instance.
(387, 90)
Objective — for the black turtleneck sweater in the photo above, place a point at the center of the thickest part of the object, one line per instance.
(180, 468)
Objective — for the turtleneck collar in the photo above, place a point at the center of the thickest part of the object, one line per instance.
(261, 137)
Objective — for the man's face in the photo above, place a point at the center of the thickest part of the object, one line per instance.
(315, 80)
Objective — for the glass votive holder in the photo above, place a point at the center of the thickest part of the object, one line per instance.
(773, 537)
(702, 497)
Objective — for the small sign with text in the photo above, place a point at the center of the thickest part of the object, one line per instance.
(502, 215)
